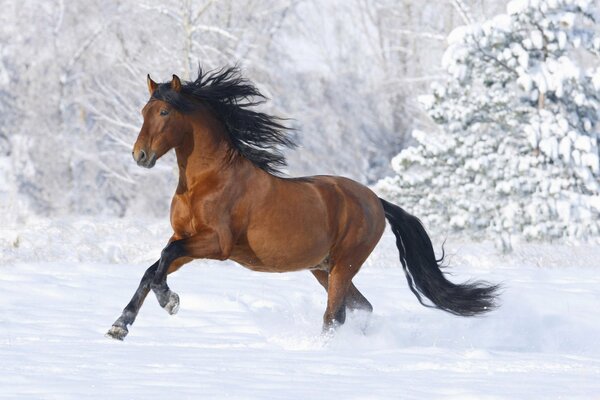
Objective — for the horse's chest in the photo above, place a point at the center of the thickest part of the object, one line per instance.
(184, 216)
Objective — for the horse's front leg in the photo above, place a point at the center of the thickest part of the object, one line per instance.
(167, 299)
(208, 243)
(119, 328)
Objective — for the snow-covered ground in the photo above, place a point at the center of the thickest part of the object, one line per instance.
(247, 335)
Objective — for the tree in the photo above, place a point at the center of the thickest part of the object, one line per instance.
(177, 36)
(72, 83)
(44, 56)
(516, 152)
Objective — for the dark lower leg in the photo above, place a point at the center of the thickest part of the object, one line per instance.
(356, 301)
(167, 299)
(130, 312)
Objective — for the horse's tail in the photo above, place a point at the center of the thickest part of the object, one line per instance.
(423, 272)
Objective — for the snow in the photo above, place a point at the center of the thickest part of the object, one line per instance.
(246, 335)
(513, 118)
(457, 35)
(537, 39)
(517, 6)
(502, 22)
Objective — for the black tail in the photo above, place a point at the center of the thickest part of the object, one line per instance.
(423, 272)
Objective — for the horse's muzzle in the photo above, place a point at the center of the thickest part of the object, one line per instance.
(143, 159)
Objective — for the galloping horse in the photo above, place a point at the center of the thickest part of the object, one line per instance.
(231, 203)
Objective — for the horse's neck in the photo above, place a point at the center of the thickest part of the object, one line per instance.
(206, 157)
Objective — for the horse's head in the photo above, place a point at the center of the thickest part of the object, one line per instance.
(164, 126)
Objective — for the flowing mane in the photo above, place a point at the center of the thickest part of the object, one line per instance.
(256, 136)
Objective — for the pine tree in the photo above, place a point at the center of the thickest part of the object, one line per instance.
(516, 152)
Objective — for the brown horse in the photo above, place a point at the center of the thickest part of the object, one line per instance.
(231, 204)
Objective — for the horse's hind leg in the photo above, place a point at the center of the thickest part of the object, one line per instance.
(356, 301)
(346, 261)
(354, 298)
(337, 287)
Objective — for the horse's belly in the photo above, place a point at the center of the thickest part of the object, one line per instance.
(289, 231)
(271, 253)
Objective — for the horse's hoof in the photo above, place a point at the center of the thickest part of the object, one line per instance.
(330, 328)
(117, 332)
(173, 305)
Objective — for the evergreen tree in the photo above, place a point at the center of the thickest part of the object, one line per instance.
(519, 128)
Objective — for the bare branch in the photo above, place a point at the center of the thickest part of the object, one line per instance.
(103, 166)
(463, 11)
(161, 10)
(83, 48)
(215, 29)
(61, 15)
(201, 11)
(428, 35)
(417, 79)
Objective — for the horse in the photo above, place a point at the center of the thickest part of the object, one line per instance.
(232, 203)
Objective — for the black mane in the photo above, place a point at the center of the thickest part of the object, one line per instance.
(255, 135)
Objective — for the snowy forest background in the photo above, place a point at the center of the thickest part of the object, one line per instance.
(481, 117)
(494, 110)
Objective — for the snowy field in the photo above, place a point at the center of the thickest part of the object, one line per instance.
(247, 335)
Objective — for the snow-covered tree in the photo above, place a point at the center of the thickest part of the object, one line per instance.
(517, 149)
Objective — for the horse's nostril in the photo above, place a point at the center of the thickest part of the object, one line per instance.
(142, 155)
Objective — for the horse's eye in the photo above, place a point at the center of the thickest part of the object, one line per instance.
(164, 112)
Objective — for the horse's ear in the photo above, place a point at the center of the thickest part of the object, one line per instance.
(151, 85)
(176, 83)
